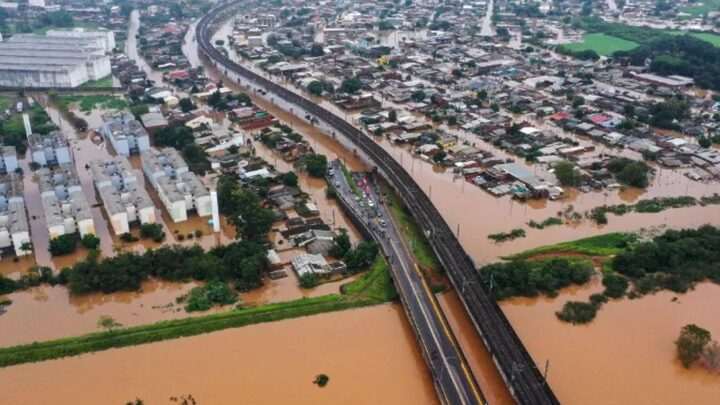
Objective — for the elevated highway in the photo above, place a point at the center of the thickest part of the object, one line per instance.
(521, 374)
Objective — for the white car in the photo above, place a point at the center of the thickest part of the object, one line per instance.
(370, 203)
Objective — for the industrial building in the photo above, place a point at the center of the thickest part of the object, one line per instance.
(14, 228)
(9, 161)
(64, 203)
(101, 38)
(50, 149)
(179, 189)
(126, 134)
(30, 60)
(124, 198)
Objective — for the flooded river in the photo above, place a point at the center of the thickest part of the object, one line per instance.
(272, 363)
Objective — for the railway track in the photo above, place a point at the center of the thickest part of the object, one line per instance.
(520, 372)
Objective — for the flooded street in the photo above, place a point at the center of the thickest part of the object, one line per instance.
(272, 363)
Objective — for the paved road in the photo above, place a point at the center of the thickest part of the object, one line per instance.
(451, 374)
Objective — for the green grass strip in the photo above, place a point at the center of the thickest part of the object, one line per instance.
(375, 284)
(93, 342)
(601, 245)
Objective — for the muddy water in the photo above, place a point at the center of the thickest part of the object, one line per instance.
(46, 312)
(626, 355)
(269, 363)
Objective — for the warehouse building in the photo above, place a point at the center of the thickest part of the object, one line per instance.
(100, 38)
(30, 60)
(8, 161)
(50, 149)
(126, 134)
(65, 206)
(179, 189)
(125, 200)
(14, 228)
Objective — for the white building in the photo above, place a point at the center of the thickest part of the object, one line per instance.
(179, 189)
(125, 133)
(9, 161)
(36, 3)
(124, 198)
(29, 60)
(14, 228)
(50, 149)
(64, 203)
(101, 38)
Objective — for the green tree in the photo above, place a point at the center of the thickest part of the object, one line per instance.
(392, 116)
(418, 96)
(62, 245)
(309, 280)
(439, 156)
(315, 165)
(108, 323)
(704, 141)
(289, 179)
(90, 241)
(691, 344)
(317, 50)
(316, 88)
(567, 174)
(635, 174)
(350, 85)
(186, 104)
(177, 136)
(341, 245)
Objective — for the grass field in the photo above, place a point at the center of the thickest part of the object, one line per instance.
(5, 103)
(106, 81)
(601, 245)
(93, 342)
(603, 44)
(87, 103)
(700, 9)
(412, 234)
(375, 284)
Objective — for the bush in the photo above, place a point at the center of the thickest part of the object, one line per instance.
(90, 241)
(530, 278)
(128, 237)
(309, 280)
(63, 245)
(691, 344)
(576, 312)
(315, 165)
(213, 293)
(615, 285)
(152, 231)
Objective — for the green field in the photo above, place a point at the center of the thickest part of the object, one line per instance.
(601, 245)
(603, 44)
(5, 103)
(375, 284)
(88, 103)
(700, 9)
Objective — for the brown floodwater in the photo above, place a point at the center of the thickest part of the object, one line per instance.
(584, 360)
(626, 355)
(270, 363)
(47, 312)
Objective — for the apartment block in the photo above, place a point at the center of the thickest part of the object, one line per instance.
(66, 208)
(8, 159)
(50, 149)
(125, 199)
(125, 133)
(179, 189)
(14, 227)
